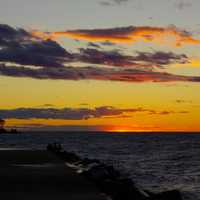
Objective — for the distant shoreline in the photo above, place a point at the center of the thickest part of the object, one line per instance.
(112, 132)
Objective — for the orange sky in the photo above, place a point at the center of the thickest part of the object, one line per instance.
(130, 67)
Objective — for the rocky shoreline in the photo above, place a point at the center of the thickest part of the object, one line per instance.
(109, 180)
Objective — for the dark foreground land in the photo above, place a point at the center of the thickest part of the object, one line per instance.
(45, 175)
(30, 175)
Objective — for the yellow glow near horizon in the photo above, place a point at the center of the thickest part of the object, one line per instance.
(35, 93)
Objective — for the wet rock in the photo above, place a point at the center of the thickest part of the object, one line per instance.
(97, 173)
(100, 172)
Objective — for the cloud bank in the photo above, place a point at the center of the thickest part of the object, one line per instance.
(23, 54)
(19, 46)
(77, 113)
(94, 73)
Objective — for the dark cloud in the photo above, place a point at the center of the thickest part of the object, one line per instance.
(92, 44)
(109, 58)
(161, 58)
(75, 113)
(120, 1)
(66, 113)
(46, 59)
(113, 2)
(10, 37)
(172, 112)
(142, 59)
(183, 4)
(20, 47)
(167, 112)
(94, 73)
(45, 53)
(107, 43)
(182, 101)
(118, 32)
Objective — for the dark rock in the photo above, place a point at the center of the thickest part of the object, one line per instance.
(168, 195)
(109, 181)
(113, 173)
(69, 157)
(101, 172)
(97, 173)
(122, 189)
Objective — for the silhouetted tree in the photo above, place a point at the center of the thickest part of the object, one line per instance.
(2, 123)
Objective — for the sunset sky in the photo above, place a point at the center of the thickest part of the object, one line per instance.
(93, 65)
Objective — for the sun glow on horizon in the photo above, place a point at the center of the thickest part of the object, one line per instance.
(123, 129)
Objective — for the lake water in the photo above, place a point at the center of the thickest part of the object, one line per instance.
(154, 161)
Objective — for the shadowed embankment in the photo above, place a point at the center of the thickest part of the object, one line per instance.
(28, 175)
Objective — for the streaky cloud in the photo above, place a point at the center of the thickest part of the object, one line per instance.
(113, 2)
(160, 35)
(141, 59)
(95, 73)
(77, 113)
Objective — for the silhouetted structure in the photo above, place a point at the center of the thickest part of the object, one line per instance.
(2, 123)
